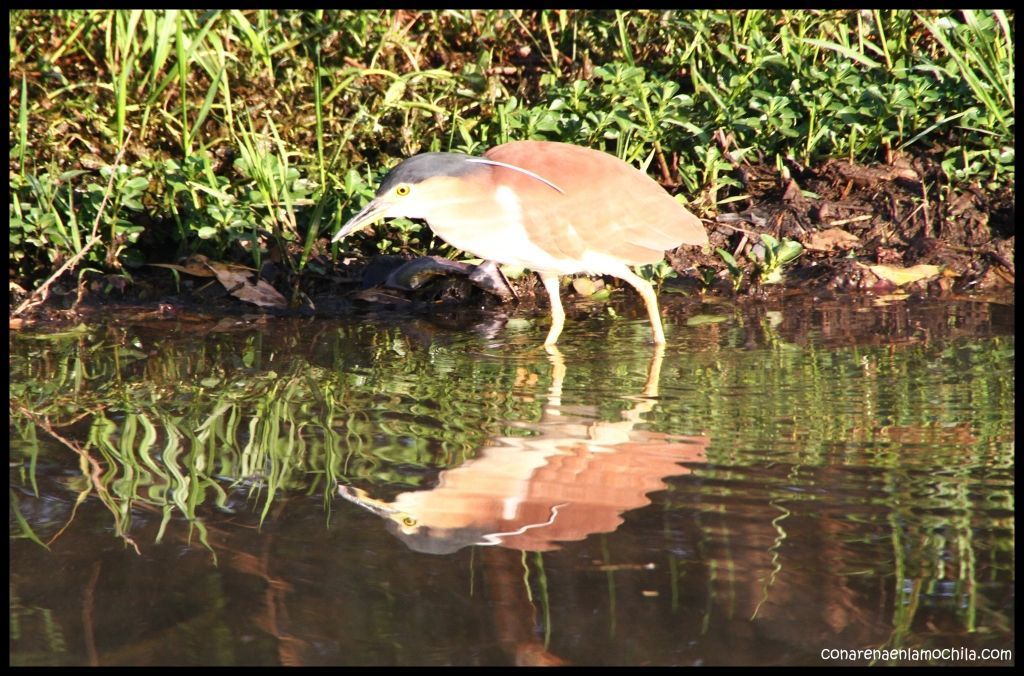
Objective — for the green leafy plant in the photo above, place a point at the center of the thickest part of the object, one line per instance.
(776, 255)
(202, 204)
(43, 216)
(129, 188)
(50, 214)
(707, 276)
(656, 273)
(735, 271)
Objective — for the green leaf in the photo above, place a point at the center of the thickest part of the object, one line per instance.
(730, 262)
(851, 54)
(789, 251)
(773, 276)
(701, 319)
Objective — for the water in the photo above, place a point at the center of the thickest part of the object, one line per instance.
(778, 482)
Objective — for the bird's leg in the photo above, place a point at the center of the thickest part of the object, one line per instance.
(557, 312)
(650, 300)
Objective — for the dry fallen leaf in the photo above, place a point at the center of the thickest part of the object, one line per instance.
(901, 276)
(237, 280)
(196, 265)
(792, 192)
(831, 240)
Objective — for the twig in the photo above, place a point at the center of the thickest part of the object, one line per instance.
(855, 219)
(927, 217)
(739, 247)
(666, 176)
(732, 226)
(1002, 261)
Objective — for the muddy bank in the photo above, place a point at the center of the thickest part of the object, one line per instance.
(876, 229)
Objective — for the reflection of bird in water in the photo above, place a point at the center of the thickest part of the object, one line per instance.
(574, 477)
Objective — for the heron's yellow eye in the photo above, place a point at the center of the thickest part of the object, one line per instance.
(402, 190)
(408, 521)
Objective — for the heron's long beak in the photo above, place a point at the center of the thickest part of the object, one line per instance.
(363, 499)
(374, 211)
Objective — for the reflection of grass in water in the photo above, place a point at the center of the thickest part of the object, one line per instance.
(23, 525)
(542, 588)
(877, 408)
(937, 547)
(176, 436)
(937, 532)
(40, 623)
(180, 428)
(776, 560)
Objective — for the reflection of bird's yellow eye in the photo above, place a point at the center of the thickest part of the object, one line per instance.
(409, 521)
(402, 190)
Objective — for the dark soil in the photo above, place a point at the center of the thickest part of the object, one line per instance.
(859, 217)
(970, 236)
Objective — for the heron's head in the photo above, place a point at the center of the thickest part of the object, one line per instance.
(419, 186)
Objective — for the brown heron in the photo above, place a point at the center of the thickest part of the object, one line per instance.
(555, 208)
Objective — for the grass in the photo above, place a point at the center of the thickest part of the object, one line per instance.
(255, 133)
